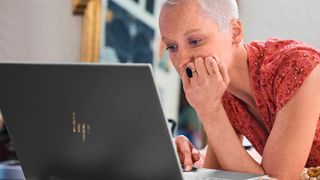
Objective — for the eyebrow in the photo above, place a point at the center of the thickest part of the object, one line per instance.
(184, 34)
(164, 38)
(190, 31)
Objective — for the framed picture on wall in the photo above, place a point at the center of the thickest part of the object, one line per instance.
(129, 32)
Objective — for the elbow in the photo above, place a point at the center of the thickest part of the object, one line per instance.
(284, 176)
(282, 173)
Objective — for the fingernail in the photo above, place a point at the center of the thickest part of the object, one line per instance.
(195, 156)
(188, 168)
(199, 58)
(217, 60)
(185, 67)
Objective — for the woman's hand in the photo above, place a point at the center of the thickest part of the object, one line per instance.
(207, 85)
(188, 155)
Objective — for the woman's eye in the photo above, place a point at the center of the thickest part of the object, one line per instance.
(195, 42)
(172, 48)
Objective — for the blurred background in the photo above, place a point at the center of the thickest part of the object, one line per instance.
(126, 31)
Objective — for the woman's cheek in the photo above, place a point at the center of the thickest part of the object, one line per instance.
(171, 57)
(174, 62)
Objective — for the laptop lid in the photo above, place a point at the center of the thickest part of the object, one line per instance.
(87, 121)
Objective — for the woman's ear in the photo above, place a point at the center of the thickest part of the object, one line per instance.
(237, 31)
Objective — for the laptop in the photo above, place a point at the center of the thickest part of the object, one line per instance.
(91, 121)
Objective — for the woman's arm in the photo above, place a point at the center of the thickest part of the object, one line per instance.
(211, 160)
(290, 141)
(225, 143)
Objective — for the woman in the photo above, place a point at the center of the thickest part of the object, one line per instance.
(266, 91)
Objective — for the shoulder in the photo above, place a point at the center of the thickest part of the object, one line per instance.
(283, 67)
(275, 56)
(273, 50)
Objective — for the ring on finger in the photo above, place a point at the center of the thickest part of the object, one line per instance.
(190, 72)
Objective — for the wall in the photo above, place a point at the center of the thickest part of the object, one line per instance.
(286, 19)
(39, 30)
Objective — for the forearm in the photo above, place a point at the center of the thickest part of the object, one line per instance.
(225, 143)
(211, 160)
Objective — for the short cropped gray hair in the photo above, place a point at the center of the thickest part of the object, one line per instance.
(220, 11)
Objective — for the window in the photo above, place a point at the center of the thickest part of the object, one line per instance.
(150, 6)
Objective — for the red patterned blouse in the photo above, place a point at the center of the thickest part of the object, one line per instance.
(277, 69)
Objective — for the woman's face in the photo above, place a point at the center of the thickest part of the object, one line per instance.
(188, 34)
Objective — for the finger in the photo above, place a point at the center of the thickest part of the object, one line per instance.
(187, 159)
(193, 79)
(209, 65)
(180, 157)
(195, 155)
(216, 69)
(200, 67)
(193, 68)
(177, 142)
(218, 60)
(181, 143)
(224, 71)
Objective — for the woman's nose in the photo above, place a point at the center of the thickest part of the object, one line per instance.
(184, 57)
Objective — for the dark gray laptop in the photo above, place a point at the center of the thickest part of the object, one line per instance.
(90, 121)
